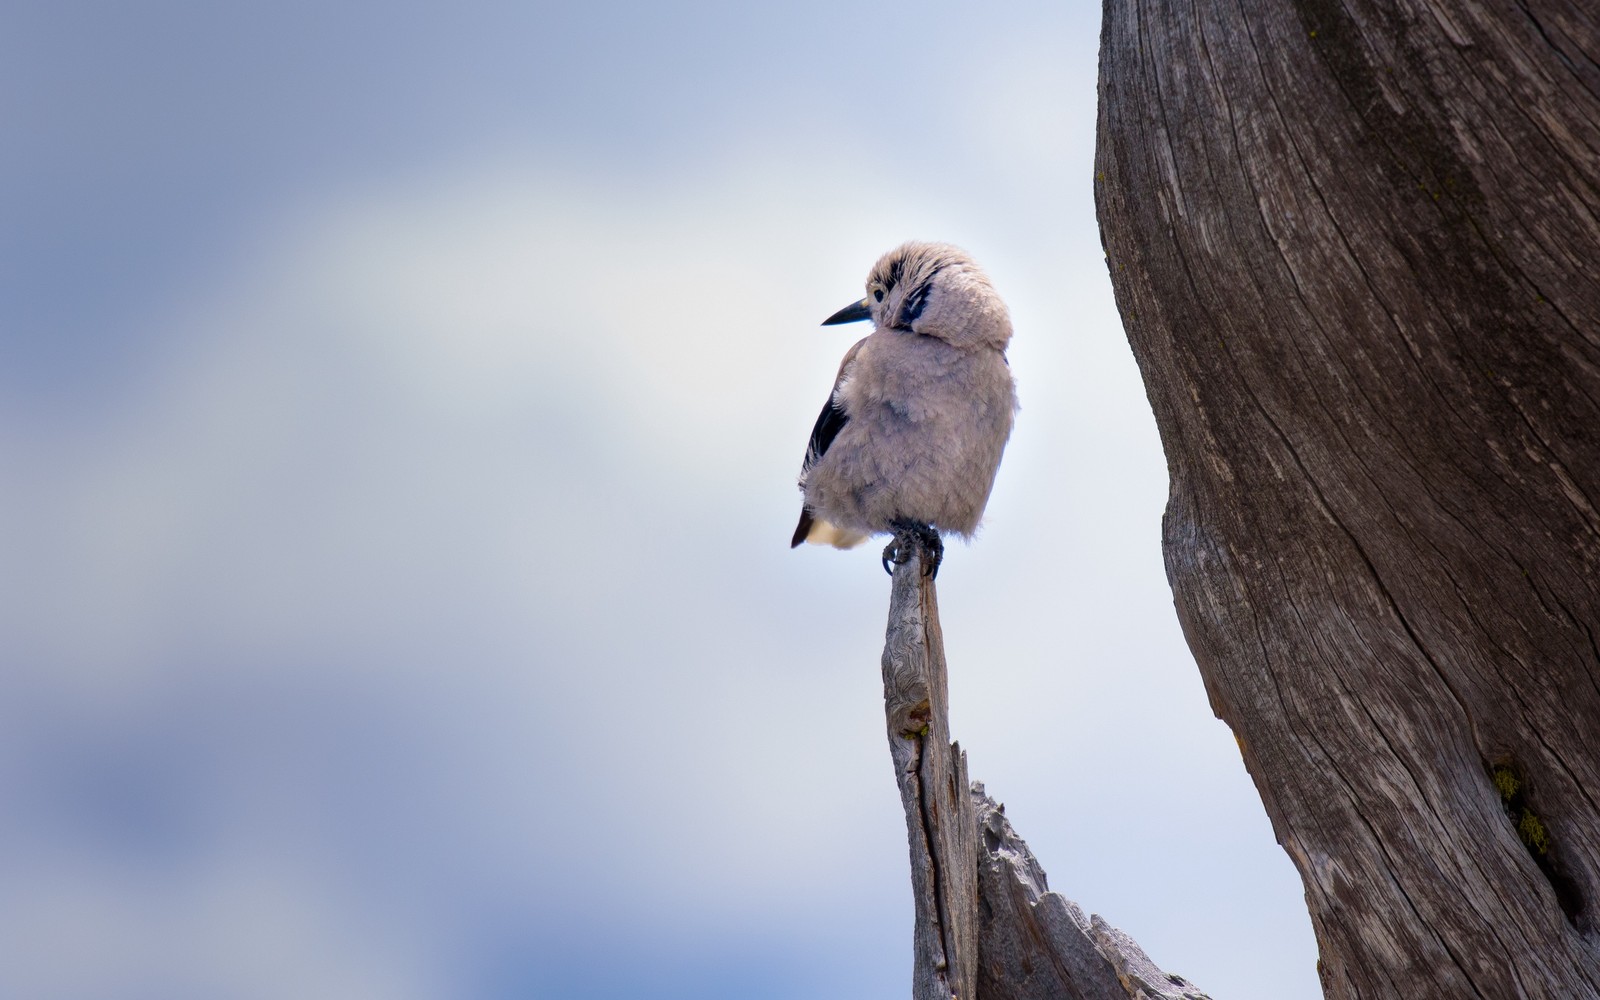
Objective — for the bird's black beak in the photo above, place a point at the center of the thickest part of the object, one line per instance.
(855, 312)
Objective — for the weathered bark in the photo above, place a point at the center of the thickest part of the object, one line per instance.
(1034, 944)
(932, 774)
(1355, 245)
(987, 925)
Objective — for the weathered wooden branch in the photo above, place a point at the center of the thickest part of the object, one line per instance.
(1034, 944)
(987, 925)
(932, 774)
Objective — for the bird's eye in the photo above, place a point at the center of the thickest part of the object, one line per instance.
(877, 293)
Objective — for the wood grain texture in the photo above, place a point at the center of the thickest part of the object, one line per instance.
(932, 774)
(1355, 245)
(1034, 944)
(987, 925)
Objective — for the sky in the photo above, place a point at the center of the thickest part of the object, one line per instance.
(400, 410)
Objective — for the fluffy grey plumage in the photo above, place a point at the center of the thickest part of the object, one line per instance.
(921, 410)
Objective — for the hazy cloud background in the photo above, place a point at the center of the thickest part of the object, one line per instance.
(400, 407)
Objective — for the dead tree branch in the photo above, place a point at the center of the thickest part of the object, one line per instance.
(987, 925)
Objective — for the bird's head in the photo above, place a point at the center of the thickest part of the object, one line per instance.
(932, 289)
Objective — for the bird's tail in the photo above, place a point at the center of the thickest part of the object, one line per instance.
(818, 532)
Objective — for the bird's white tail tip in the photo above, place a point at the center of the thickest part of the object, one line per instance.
(823, 533)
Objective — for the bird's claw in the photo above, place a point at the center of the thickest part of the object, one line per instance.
(932, 552)
(895, 554)
(907, 534)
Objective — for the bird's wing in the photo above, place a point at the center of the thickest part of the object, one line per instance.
(832, 418)
(803, 531)
(829, 423)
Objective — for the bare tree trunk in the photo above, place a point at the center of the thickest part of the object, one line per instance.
(987, 925)
(1355, 245)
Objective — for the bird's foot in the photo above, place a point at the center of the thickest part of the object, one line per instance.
(923, 536)
(894, 554)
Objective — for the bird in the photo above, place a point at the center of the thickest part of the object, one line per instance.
(912, 433)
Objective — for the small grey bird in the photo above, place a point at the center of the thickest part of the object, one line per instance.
(912, 433)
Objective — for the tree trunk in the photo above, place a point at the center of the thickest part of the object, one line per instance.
(1355, 247)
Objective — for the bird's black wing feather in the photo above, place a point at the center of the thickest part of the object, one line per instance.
(829, 422)
(832, 418)
(804, 529)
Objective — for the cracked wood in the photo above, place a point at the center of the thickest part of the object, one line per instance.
(932, 775)
(987, 925)
(1353, 244)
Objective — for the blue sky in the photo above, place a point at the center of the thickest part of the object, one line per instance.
(400, 407)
